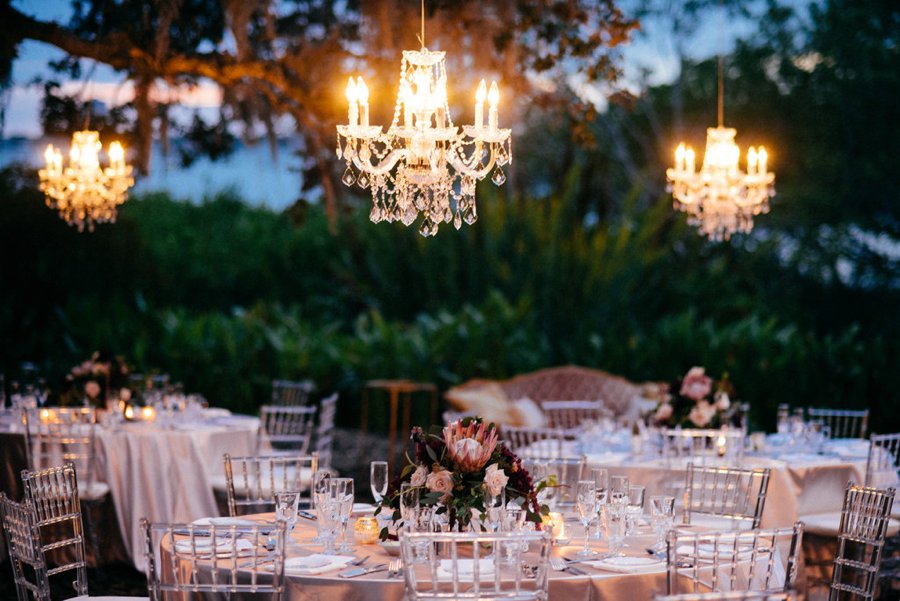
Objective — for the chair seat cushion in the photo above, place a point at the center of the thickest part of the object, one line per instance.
(828, 524)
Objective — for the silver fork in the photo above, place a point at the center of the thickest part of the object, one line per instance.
(394, 568)
(558, 564)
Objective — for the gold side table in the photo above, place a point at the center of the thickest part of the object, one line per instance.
(397, 390)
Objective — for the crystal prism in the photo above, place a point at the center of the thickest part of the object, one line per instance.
(349, 178)
(499, 177)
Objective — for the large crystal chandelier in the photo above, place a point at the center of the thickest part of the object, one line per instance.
(423, 163)
(721, 199)
(83, 192)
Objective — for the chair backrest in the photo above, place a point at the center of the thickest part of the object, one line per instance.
(287, 428)
(288, 393)
(325, 429)
(534, 442)
(842, 423)
(24, 542)
(182, 558)
(732, 493)
(883, 463)
(569, 415)
(58, 435)
(253, 482)
(566, 471)
(703, 445)
(472, 565)
(732, 596)
(53, 495)
(760, 560)
(864, 521)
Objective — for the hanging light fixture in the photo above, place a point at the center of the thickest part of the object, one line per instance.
(720, 199)
(83, 192)
(423, 164)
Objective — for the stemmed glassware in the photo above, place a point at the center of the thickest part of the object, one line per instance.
(345, 498)
(662, 516)
(513, 521)
(378, 480)
(494, 505)
(286, 504)
(600, 476)
(615, 518)
(321, 486)
(409, 503)
(328, 512)
(635, 507)
(586, 506)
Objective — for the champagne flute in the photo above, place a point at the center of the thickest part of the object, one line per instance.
(600, 476)
(378, 480)
(586, 506)
(345, 507)
(662, 516)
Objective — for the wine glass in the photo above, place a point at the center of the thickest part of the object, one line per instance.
(586, 506)
(378, 480)
(634, 507)
(662, 516)
(619, 484)
(409, 503)
(344, 497)
(493, 507)
(600, 476)
(615, 521)
(286, 505)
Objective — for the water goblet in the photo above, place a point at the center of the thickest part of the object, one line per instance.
(286, 504)
(409, 503)
(600, 476)
(619, 484)
(615, 522)
(586, 506)
(378, 480)
(321, 486)
(513, 521)
(662, 516)
(344, 495)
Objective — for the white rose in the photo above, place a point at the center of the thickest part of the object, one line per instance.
(701, 414)
(495, 479)
(419, 476)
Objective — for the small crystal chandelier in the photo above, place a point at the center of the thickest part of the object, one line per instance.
(721, 199)
(437, 166)
(84, 193)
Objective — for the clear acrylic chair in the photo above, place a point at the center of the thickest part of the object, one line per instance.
(287, 393)
(565, 471)
(569, 415)
(864, 522)
(726, 495)
(469, 565)
(732, 596)
(325, 429)
(252, 482)
(761, 560)
(287, 429)
(883, 463)
(842, 423)
(30, 572)
(183, 560)
(534, 442)
(704, 445)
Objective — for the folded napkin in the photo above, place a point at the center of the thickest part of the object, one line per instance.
(315, 564)
(466, 568)
(628, 565)
(224, 547)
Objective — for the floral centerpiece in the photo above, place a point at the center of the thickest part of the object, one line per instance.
(453, 465)
(697, 401)
(97, 379)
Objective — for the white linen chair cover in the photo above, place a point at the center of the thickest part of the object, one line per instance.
(732, 494)
(251, 483)
(842, 423)
(181, 558)
(471, 565)
(761, 560)
(864, 523)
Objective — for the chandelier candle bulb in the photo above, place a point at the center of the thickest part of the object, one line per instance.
(362, 91)
(480, 96)
(493, 101)
(751, 161)
(763, 158)
(689, 159)
(679, 158)
(353, 112)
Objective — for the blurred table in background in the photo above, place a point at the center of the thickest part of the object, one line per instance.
(397, 391)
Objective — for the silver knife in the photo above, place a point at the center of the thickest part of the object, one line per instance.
(362, 571)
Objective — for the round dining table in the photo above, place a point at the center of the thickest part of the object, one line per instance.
(163, 470)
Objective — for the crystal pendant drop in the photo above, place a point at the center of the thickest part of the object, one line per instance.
(470, 215)
(363, 180)
(457, 221)
(375, 214)
(499, 177)
(349, 178)
(338, 152)
(424, 229)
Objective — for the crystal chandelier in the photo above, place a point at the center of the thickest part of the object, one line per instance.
(423, 163)
(721, 199)
(84, 193)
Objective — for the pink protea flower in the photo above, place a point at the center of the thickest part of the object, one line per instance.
(470, 447)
